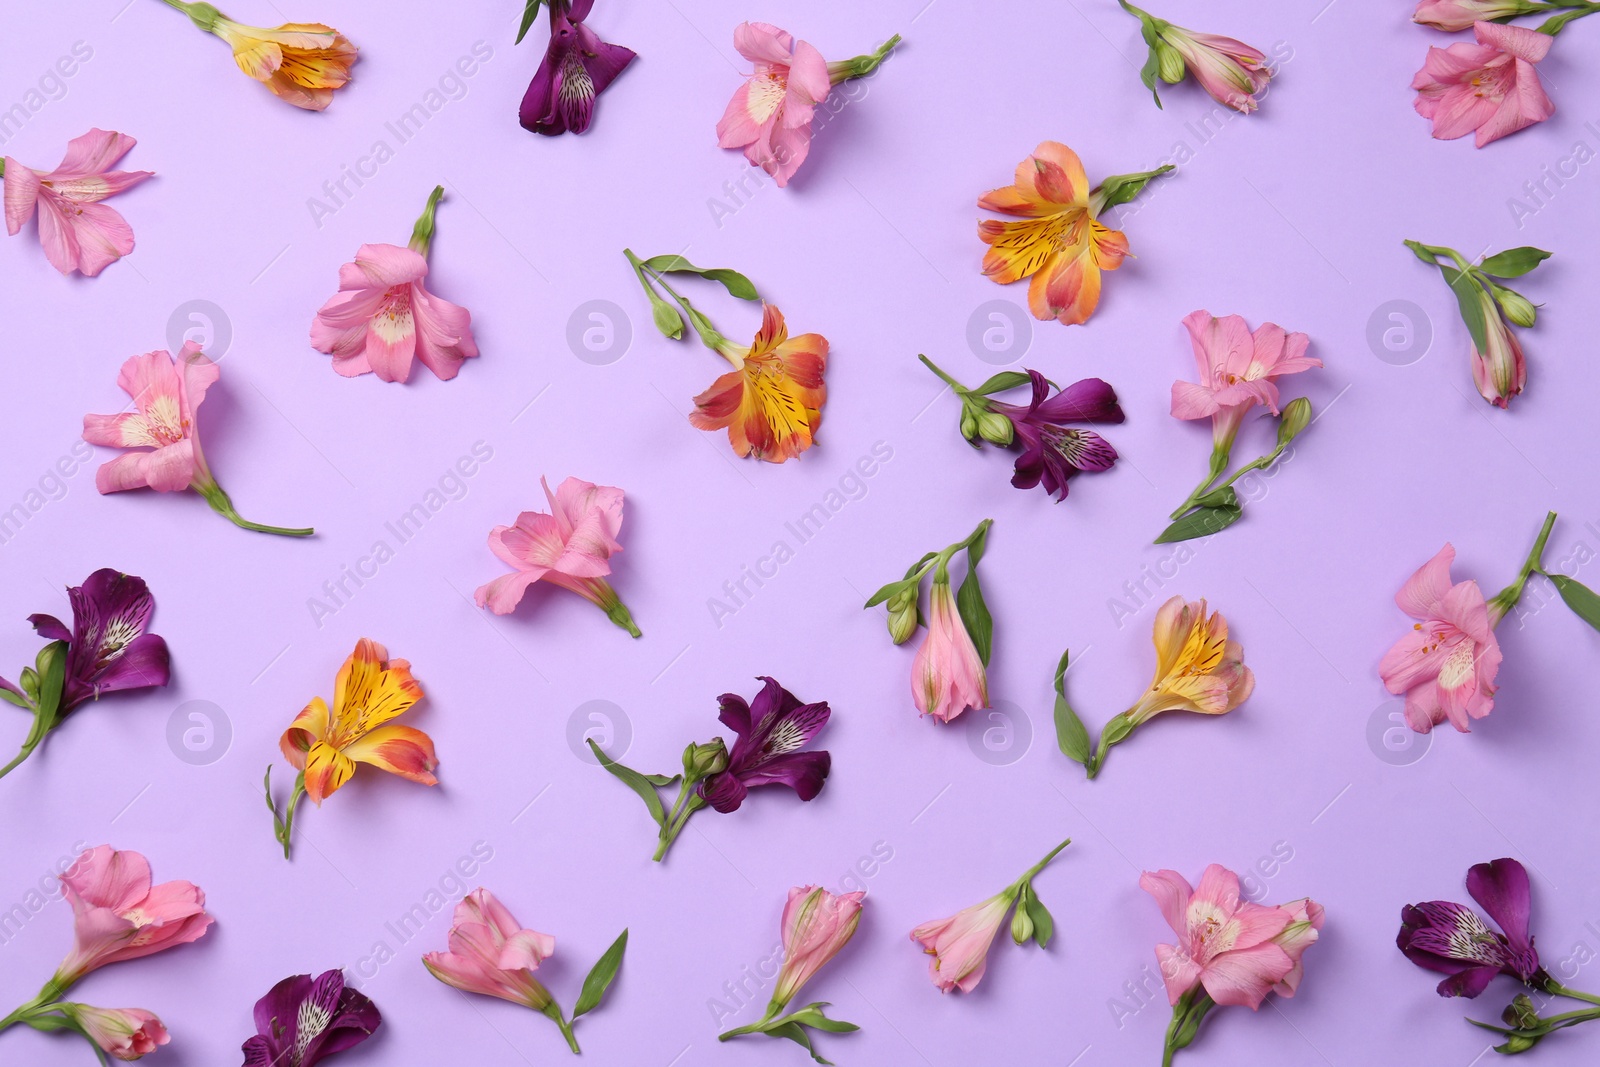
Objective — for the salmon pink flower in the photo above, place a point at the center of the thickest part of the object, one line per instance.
(1446, 667)
(491, 954)
(960, 944)
(770, 115)
(304, 1020)
(948, 677)
(1231, 71)
(1489, 89)
(78, 232)
(1238, 370)
(570, 547)
(771, 402)
(118, 915)
(1061, 243)
(122, 1033)
(1453, 16)
(302, 63)
(325, 746)
(1305, 926)
(577, 68)
(383, 316)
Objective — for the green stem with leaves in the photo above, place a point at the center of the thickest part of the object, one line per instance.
(283, 825)
(689, 801)
(222, 505)
(1501, 603)
(861, 66)
(709, 334)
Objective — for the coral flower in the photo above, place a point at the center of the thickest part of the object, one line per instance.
(1197, 667)
(960, 944)
(1500, 371)
(577, 68)
(302, 63)
(1447, 665)
(303, 1020)
(816, 925)
(1225, 943)
(1238, 370)
(370, 690)
(948, 676)
(1489, 89)
(78, 232)
(118, 915)
(491, 954)
(1061, 244)
(770, 114)
(1452, 939)
(570, 547)
(1231, 71)
(122, 1033)
(771, 402)
(772, 732)
(1453, 16)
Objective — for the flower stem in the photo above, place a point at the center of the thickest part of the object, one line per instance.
(566, 1032)
(1033, 871)
(203, 15)
(861, 66)
(1219, 463)
(689, 801)
(709, 336)
(42, 725)
(960, 389)
(1576, 10)
(1501, 603)
(283, 826)
(422, 232)
(222, 505)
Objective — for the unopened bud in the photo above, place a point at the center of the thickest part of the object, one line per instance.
(903, 615)
(1296, 417)
(1170, 62)
(995, 428)
(1021, 925)
(969, 423)
(1521, 1014)
(1518, 308)
(702, 761)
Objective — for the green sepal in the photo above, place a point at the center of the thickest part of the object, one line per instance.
(529, 13)
(1072, 737)
(644, 785)
(1201, 522)
(1121, 188)
(1044, 926)
(1116, 730)
(52, 669)
(1219, 498)
(1580, 598)
(600, 976)
(969, 601)
(1513, 262)
(999, 383)
(736, 284)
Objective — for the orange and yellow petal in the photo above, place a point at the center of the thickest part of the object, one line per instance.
(370, 691)
(1021, 249)
(1047, 181)
(303, 63)
(326, 770)
(308, 727)
(772, 405)
(399, 750)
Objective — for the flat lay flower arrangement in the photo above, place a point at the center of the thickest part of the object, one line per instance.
(765, 331)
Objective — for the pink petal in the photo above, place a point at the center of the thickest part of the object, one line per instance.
(21, 194)
(381, 266)
(94, 153)
(127, 471)
(1421, 594)
(1245, 976)
(761, 42)
(1172, 892)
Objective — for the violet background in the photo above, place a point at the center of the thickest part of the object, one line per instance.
(1293, 215)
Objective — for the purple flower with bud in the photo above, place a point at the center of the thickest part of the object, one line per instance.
(304, 1020)
(1454, 940)
(1052, 451)
(109, 646)
(772, 732)
(576, 69)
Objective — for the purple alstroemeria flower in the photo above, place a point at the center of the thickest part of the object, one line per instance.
(1453, 939)
(303, 1020)
(771, 734)
(109, 647)
(1051, 451)
(576, 69)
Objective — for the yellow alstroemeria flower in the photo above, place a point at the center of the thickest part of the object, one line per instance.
(1197, 668)
(301, 62)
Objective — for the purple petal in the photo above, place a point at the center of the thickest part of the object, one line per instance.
(352, 1018)
(734, 713)
(538, 112)
(114, 595)
(50, 628)
(278, 1013)
(258, 1053)
(1029, 467)
(1091, 400)
(1086, 450)
(804, 772)
(142, 664)
(723, 792)
(1501, 887)
(1469, 983)
(602, 60)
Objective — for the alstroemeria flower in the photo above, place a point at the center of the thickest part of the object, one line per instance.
(816, 925)
(1305, 926)
(1197, 667)
(1061, 244)
(304, 1020)
(948, 677)
(492, 954)
(570, 547)
(1225, 943)
(121, 1033)
(1231, 71)
(109, 646)
(772, 732)
(118, 915)
(1238, 370)
(770, 114)
(1447, 665)
(1500, 371)
(303, 63)
(77, 231)
(1452, 939)
(1456, 15)
(371, 689)
(1489, 89)
(577, 68)
(1053, 452)
(771, 402)
(960, 944)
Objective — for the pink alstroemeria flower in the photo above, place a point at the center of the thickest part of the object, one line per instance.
(78, 232)
(948, 677)
(383, 317)
(1238, 370)
(122, 1033)
(770, 114)
(816, 925)
(1447, 665)
(118, 915)
(1452, 16)
(1305, 926)
(1490, 88)
(1500, 371)
(167, 394)
(492, 954)
(1231, 71)
(960, 944)
(1225, 943)
(570, 547)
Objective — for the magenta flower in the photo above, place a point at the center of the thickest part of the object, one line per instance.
(1052, 452)
(303, 1020)
(1489, 89)
(383, 318)
(109, 646)
(772, 732)
(1447, 665)
(570, 547)
(118, 915)
(577, 68)
(1453, 940)
(1238, 370)
(78, 232)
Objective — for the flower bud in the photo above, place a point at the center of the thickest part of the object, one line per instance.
(969, 423)
(1021, 925)
(702, 761)
(1521, 1014)
(1170, 62)
(1296, 417)
(903, 615)
(1518, 308)
(995, 428)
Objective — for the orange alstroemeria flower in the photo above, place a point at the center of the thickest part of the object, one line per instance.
(371, 689)
(1061, 244)
(301, 62)
(771, 402)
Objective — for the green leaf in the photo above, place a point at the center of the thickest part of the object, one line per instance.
(1469, 294)
(14, 698)
(635, 781)
(600, 977)
(529, 13)
(1579, 597)
(1152, 64)
(1006, 379)
(812, 1015)
(969, 601)
(1071, 735)
(1201, 522)
(1220, 498)
(888, 591)
(736, 284)
(1513, 262)
(1044, 926)
(794, 1033)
